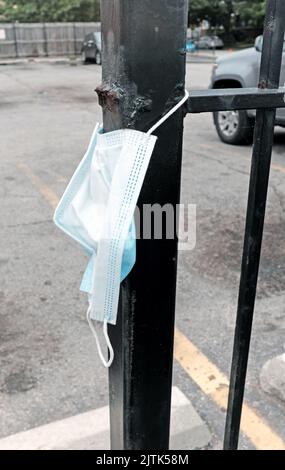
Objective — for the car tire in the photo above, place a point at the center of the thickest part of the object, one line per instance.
(234, 127)
(83, 57)
(98, 59)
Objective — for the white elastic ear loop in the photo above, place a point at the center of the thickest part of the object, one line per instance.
(108, 342)
(167, 115)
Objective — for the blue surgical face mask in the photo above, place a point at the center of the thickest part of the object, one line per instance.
(97, 211)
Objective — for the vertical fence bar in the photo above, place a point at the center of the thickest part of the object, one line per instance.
(261, 159)
(74, 39)
(143, 76)
(45, 39)
(15, 40)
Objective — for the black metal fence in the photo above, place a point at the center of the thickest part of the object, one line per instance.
(137, 79)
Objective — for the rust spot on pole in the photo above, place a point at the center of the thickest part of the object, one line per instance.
(109, 96)
(262, 85)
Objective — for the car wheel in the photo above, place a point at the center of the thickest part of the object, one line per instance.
(234, 127)
(98, 59)
(83, 57)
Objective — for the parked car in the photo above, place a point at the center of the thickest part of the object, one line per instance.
(190, 45)
(92, 48)
(209, 42)
(241, 70)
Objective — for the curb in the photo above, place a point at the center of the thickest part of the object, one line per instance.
(90, 431)
(190, 58)
(198, 58)
(40, 60)
(272, 377)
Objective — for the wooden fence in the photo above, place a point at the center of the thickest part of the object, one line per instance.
(43, 39)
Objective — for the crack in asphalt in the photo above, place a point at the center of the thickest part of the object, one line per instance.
(23, 224)
(221, 162)
(11, 76)
(279, 198)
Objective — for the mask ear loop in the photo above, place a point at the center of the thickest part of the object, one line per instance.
(167, 115)
(108, 363)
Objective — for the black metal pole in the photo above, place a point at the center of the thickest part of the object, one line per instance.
(261, 159)
(143, 76)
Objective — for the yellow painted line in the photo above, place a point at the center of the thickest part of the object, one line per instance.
(43, 189)
(201, 370)
(216, 385)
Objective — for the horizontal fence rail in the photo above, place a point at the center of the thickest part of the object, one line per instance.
(235, 99)
(43, 39)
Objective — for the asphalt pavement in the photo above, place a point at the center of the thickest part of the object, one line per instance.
(49, 364)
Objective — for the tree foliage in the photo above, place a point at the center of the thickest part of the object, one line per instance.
(251, 11)
(217, 12)
(227, 13)
(49, 10)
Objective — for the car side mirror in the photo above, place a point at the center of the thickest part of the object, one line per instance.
(258, 44)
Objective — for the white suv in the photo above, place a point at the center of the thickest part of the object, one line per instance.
(240, 70)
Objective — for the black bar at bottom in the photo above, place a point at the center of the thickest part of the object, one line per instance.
(270, 68)
(250, 266)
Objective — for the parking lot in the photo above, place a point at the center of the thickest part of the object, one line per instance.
(49, 364)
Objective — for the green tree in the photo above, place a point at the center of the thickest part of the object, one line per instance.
(226, 12)
(215, 11)
(251, 12)
(49, 10)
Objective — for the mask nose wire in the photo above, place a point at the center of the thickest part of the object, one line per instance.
(108, 363)
(167, 115)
